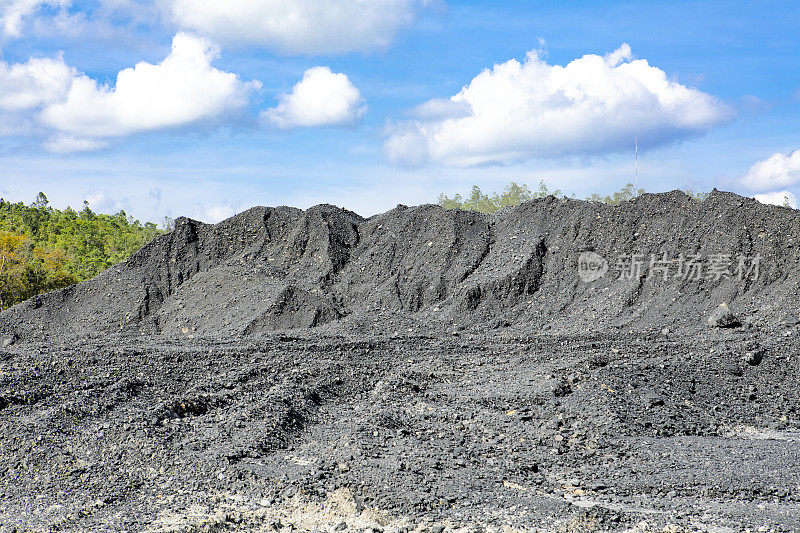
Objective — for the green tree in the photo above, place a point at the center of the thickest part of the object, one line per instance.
(699, 196)
(628, 192)
(42, 248)
(27, 269)
(513, 195)
(168, 224)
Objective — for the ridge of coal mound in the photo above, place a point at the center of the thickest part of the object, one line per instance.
(282, 268)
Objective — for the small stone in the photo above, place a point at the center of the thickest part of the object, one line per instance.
(734, 369)
(753, 358)
(651, 399)
(723, 317)
(341, 526)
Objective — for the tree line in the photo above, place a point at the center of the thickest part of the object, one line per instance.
(515, 194)
(43, 248)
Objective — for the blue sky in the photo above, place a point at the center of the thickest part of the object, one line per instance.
(364, 107)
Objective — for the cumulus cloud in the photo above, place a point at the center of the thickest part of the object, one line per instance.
(212, 214)
(299, 26)
(102, 202)
(321, 98)
(14, 12)
(38, 82)
(442, 109)
(80, 114)
(778, 198)
(67, 144)
(531, 109)
(182, 89)
(218, 213)
(778, 170)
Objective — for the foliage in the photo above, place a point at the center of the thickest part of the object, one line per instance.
(514, 194)
(700, 196)
(42, 248)
(27, 269)
(628, 192)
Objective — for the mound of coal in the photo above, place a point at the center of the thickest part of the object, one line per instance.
(429, 268)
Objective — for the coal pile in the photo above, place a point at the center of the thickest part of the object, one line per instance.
(563, 365)
(271, 269)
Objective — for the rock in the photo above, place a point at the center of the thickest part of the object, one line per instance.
(723, 317)
(9, 341)
(751, 393)
(734, 369)
(753, 358)
(341, 526)
(652, 399)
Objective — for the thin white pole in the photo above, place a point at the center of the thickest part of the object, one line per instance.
(636, 145)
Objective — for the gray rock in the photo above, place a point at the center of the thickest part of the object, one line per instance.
(753, 358)
(734, 369)
(723, 317)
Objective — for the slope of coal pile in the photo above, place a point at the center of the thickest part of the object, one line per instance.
(264, 266)
(282, 268)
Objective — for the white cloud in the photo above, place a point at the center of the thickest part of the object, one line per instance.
(79, 114)
(299, 26)
(213, 214)
(102, 202)
(38, 82)
(218, 213)
(778, 170)
(67, 144)
(103, 22)
(321, 98)
(778, 198)
(442, 109)
(14, 12)
(182, 89)
(530, 109)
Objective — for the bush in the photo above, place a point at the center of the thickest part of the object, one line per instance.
(513, 194)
